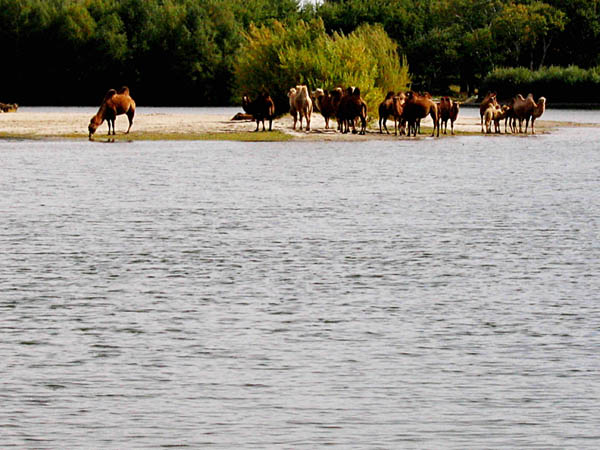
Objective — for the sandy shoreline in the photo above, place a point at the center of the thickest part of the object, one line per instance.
(39, 125)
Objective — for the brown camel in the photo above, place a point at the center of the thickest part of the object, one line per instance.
(114, 104)
(8, 107)
(351, 107)
(538, 111)
(327, 103)
(392, 105)
(448, 110)
(418, 107)
(527, 109)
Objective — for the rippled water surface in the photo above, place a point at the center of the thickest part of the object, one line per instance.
(412, 294)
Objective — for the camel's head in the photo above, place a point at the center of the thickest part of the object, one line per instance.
(93, 126)
(398, 101)
(245, 102)
(292, 92)
(337, 92)
(540, 108)
(318, 93)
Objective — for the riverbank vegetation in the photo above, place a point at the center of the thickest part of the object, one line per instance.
(567, 85)
(187, 52)
(303, 53)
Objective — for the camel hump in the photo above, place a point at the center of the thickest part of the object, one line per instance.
(123, 91)
(109, 95)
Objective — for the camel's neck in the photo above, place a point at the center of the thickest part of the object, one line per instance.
(539, 109)
(100, 115)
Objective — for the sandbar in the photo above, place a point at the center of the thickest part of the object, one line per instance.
(73, 125)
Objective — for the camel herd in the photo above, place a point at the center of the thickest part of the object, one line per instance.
(407, 109)
(348, 108)
(517, 109)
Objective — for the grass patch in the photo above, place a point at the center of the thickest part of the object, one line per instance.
(241, 136)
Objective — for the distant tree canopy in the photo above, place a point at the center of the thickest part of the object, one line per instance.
(460, 41)
(177, 52)
(184, 52)
(303, 53)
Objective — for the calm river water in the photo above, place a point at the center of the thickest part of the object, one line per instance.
(421, 294)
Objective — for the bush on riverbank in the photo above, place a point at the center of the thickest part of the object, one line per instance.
(570, 84)
(278, 57)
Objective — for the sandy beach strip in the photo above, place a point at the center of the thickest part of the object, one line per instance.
(40, 125)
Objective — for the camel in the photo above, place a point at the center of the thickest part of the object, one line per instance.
(448, 110)
(326, 103)
(392, 105)
(488, 117)
(538, 111)
(8, 107)
(114, 104)
(490, 99)
(454, 115)
(501, 113)
(526, 109)
(291, 95)
(300, 105)
(261, 108)
(418, 107)
(351, 107)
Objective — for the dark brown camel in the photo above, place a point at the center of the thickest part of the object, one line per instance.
(327, 103)
(261, 108)
(351, 107)
(393, 105)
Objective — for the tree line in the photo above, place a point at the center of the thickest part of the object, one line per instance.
(189, 52)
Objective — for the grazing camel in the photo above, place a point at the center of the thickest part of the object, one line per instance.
(261, 108)
(114, 104)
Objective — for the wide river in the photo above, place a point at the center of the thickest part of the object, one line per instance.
(424, 294)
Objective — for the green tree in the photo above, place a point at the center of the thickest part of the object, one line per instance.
(523, 28)
(278, 57)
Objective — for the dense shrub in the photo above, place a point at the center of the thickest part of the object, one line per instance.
(558, 84)
(277, 57)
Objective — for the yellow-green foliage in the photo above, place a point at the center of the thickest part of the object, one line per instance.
(278, 57)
